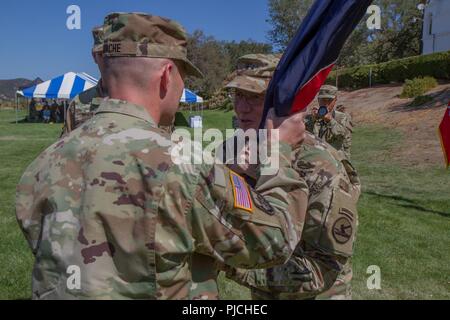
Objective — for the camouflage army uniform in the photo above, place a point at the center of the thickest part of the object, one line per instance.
(347, 145)
(320, 267)
(83, 106)
(321, 264)
(254, 72)
(337, 132)
(109, 200)
(310, 121)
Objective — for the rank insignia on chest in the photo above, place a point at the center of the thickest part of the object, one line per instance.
(241, 193)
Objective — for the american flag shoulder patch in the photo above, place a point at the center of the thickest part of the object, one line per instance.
(241, 193)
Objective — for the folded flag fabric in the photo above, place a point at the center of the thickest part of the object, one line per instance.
(312, 53)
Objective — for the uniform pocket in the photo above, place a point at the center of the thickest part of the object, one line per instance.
(338, 230)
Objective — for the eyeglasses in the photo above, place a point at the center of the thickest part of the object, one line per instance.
(249, 98)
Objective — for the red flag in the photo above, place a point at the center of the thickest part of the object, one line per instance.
(444, 133)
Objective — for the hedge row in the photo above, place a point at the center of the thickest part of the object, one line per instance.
(436, 65)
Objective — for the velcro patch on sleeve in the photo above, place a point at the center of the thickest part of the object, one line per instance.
(241, 193)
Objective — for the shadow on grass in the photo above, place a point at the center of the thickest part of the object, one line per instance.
(439, 98)
(23, 120)
(411, 204)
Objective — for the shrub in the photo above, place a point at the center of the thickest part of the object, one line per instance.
(418, 87)
(435, 65)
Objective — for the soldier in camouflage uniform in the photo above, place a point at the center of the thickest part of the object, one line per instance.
(83, 106)
(335, 128)
(112, 201)
(320, 267)
(310, 119)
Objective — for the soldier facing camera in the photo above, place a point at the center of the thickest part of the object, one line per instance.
(329, 124)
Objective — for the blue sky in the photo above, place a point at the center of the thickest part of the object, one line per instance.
(36, 42)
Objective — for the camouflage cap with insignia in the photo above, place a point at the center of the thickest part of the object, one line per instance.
(328, 92)
(254, 72)
(145, 35)
(97, 34)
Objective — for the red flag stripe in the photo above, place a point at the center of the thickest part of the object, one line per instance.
(307, 93)
(444, 135)
(447, 164)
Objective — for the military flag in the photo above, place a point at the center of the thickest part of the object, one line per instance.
(312, 54)
(444, 133)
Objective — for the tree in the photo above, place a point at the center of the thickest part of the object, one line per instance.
(217, 59)
(400, 35)
(285, 16)
(356, 50)
(211, 58)
(239, 49)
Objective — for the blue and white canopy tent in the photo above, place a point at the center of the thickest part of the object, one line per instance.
(190, 97)
(66, 86)
(69, 85)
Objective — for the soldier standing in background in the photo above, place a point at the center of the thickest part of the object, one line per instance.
(310, 119)
(83, 106)
(320, 267)
(110, 200)
(333, 127)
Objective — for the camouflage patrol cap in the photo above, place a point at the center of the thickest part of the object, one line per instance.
(254, 72)
(144, 35)
(97, 34)
(328, 92)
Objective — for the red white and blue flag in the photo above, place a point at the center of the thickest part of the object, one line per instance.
(241, 192)
(444, 133)
(312, 53)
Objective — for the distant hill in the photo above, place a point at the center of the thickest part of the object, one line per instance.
(8, 88)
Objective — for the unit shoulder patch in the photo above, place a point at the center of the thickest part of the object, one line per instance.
(263, 204)
(342, 230)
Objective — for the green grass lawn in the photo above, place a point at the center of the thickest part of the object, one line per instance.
(404, 215)
(19, 145)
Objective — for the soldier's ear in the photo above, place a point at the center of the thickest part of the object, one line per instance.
(165, 79)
